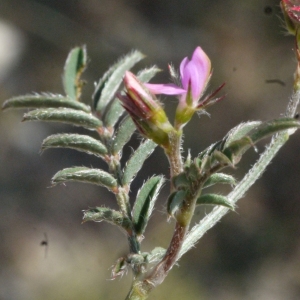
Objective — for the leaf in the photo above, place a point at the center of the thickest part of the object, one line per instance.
(237, 148)
(113, 113)
(269, 128)
(144, 203)
(219, 178)
(64, 115)
(74, 67)
(175, 201)
(44, 100)
(214, 199)
(83, 174)
(147, 74)
(136, 161)
(240, 131)
(122, 136)
(78, 142)
(111, 80)
(99, 214)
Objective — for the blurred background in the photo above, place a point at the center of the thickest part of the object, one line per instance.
(45, 251)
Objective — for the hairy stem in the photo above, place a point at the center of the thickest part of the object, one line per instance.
(255, 172)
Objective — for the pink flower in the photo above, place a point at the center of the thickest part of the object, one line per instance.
(194, 74)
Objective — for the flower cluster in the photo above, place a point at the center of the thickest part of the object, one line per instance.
(146, 111)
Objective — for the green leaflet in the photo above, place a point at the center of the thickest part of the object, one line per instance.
(44, 100)
(64, 115)
(144, 203)
(237, 148)
(123, 134)
(147, 74)
(83, 174)
(175, 201)
(219, 178)
(268, 128)
(111, 80)
(74, 67)
(240, 131)
(136, 161)
(113, 113)
(99, 214)
(78, 142)
(214, 199)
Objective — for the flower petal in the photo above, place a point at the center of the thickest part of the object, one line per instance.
(202, 61)
(166, 89)
(184, 80)
(195, 72)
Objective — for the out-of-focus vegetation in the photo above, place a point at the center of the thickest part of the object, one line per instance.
(252, 254)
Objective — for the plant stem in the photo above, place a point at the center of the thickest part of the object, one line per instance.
(254, 173)
(141, 289)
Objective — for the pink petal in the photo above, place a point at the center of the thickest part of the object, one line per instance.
(202, 61)
(183, 65)
(196, 78)
(195, 71)
(166, 89)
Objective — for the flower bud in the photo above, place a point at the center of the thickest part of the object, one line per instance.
(145, 111)
(291, 13)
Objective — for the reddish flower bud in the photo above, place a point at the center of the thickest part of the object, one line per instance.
(291, 13)
(145, 111)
